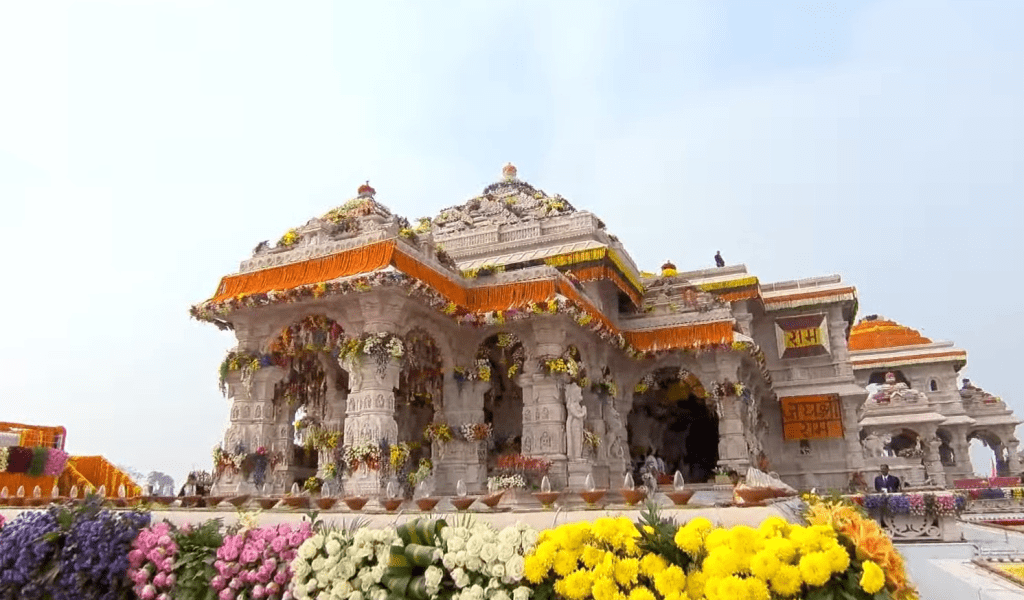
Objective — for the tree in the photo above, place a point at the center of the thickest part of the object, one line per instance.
(162, 484)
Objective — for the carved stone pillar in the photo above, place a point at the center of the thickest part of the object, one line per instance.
(543, 401)
(252, 422)
(460, 459)
(1013, 460)
(732, 446)
(851, 433)
(598, 461)
(370, 413)
(932, 460)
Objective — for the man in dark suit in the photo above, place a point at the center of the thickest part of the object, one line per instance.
(887, 482)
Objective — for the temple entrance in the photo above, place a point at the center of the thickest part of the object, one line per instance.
(499, 360)
(420, 393)
(673, 427)
(988, 454)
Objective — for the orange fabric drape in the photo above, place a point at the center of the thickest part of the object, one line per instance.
(735, 296)
(566, 289)
(685, 336)
(509, 295)
(445, 286)
(12, 481)
(98, 471)
(343, 264)
(600, 272)
(37, 435)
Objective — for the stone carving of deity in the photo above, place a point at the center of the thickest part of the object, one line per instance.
(873, 446)
(616, 430)
(576, 413)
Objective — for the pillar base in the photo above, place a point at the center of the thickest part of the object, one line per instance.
(578, 471)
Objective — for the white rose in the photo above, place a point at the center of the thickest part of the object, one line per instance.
(488, 552)
(529, 539)
(301, 593)
(449, 561)
(461, 557)
(514, 568)
(521, 593)
(323, 579)
(357, 595)
(342, 589)
(474, 563)
(509, 536)
(500, 595)
(476, 592)
(307, 550)
(461, 577)
(311, 586)
(318, 564)
(433, 575)
(474, 544)
(456, 543)
(347, 569)
(332, 561)
(301, 569)
(505, 552)
(498, 570)
(317, 541)
(333, 547)
(379, 594)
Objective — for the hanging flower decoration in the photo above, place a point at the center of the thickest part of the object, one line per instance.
(606, 385)
(423, 470)
(382, 347)
(362, 455)
(476, 432)
(569, 364)
(246, 363)
(399, 455)
(421, 376)
(591, 440)
(438, 432)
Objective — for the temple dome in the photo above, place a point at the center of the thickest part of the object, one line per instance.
(874, 332)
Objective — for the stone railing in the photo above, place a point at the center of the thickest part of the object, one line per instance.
(916, 516)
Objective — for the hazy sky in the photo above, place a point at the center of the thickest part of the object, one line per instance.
(146, 147)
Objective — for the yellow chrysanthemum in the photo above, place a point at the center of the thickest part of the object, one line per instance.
(577, 585)
(534, 569)
(670, 580)
(716, 538)
(782, 548)
(786, 581)
(701, 525)
(838, 558)
(689, 541)
(626, 571)
(764, 564)
(756, 589)
(815, 569)
(652, 564)
(546, 553)
(773, 526)
(604, 588)
(721, 562)
(695, 584)
(605, 530)
(873, 578)
(731, 587)
(641, 593)
(745, 538)
(592, 556)
(566, 561)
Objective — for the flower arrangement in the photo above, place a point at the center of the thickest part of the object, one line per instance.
(320, 438)
(42, 553)
(506, 482)
(517, 463)
(256, 563)
(438, 432)
(289, 239)
(366, 455)
(480, 561)
(644, 384)
(480, 371)
(34, 462)
(423, 470)
(398, 455)
(606, 386)
(382, 347)
(591, 440)
(168, 562)
(929, 504)
(721, 389)
(312, 485)
(339, 563)
(476, 432)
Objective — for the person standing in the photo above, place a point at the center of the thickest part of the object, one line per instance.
(887, 482)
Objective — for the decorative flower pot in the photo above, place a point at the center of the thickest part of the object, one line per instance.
(392, 504)
(190, 501)
(463, 503)
(238, 501)
(296, 501)
(633, 497)
(492, 500)
(355, 503)
(163, 500)
(547, 498)
(680, 497)
(592, 497)
(212, 501)
(326, 503)
(754, 495)
(427, 504)
(267, 503)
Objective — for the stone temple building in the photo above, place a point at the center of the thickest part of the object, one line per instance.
(524, 326)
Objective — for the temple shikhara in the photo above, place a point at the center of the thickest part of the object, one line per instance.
(515, 329)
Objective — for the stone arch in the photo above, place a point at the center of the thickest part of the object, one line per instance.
(503, 354)
(671, 412)
(994, 442)
(274, 325)
(442, 337)
(420, 390)
(906, 443)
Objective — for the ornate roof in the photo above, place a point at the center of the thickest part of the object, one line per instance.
(873, 333)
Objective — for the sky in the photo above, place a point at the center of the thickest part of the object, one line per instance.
(147, 146)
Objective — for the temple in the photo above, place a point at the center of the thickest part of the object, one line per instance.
(515, 327)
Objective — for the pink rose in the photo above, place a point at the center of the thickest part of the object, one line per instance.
(273, 587)
(160, 580)
(141, 576)
(281, 578)
(217, 583)
(136, 558)
(226, 594)
(168, 564)
(236, 583)
(164, 596)
(278, 544)
(148, 593)
(171, 579)
(263, 575)
(250, 555)
(230, 552)
(258, 591)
